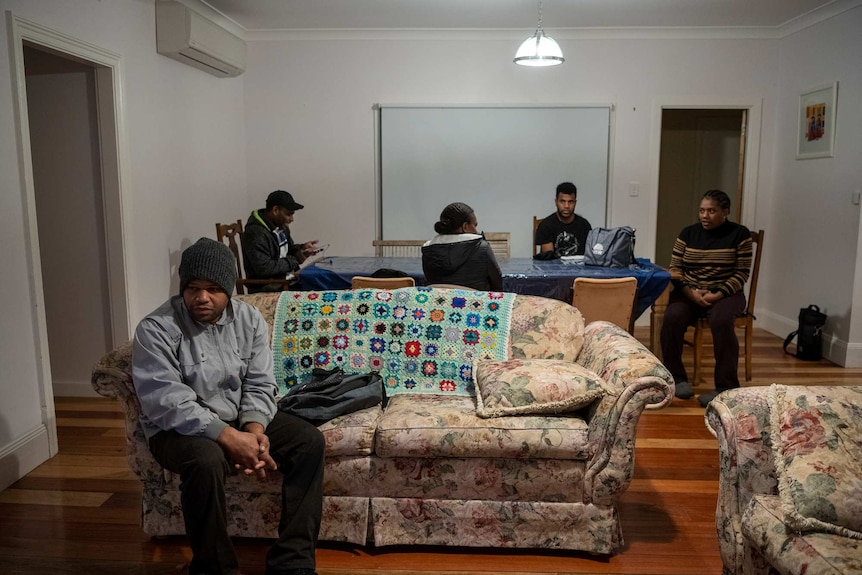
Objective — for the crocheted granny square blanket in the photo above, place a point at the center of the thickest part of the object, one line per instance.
(420, 340)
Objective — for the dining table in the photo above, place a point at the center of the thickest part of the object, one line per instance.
(546, 278)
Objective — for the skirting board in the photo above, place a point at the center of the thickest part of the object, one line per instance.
(23, 456)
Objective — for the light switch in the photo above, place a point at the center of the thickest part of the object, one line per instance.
(857, 197)
(634, 189)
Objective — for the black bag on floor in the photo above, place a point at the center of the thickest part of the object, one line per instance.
(330, 393)
(809, 345)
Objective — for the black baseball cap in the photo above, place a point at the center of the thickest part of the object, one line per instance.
(283, 199)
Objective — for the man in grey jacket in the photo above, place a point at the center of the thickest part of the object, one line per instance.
(202, 368)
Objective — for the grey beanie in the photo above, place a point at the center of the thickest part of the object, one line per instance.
(208, 259)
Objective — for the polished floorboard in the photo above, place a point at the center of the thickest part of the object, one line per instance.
(79, 512)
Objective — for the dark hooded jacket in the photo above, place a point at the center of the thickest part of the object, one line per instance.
(461, 259)
(260, 253)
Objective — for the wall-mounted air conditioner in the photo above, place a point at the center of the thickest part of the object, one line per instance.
(186, 36)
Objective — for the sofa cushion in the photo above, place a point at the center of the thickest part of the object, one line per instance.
(533, 386)
(353, 433)
(447, 426)
(765, 530)
(545, 328)
(817, 445)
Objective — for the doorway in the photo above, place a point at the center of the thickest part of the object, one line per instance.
(95, 74)
(701, 149)
(67, 182)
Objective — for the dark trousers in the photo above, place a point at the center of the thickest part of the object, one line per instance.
(682, 312)
(297, 448)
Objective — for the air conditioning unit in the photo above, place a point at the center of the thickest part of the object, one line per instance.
(188, 37)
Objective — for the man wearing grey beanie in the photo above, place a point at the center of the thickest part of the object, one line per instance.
(202, 368)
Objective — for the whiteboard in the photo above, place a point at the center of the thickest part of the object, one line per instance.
(505, 162)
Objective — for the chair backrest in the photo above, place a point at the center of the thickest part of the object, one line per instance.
(233, 234)
(381, 283)
(450, 286)
(499, 242)
(610, 300)
(757, 240)
(536, 222)
(398, 248)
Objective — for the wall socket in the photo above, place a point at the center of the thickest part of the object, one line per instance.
(634, 189)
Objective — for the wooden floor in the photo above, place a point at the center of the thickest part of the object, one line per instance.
(79, 512)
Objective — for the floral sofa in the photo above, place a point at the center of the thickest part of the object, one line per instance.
(427, 469)
(790, 487)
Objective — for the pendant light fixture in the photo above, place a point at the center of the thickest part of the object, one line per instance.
(539, 49)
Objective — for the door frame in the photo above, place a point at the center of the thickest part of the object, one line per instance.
(753, 106)
(113, 146)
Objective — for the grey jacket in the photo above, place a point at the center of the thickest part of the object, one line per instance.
(197, 379)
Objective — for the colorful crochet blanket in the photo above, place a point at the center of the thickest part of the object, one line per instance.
(420, 340)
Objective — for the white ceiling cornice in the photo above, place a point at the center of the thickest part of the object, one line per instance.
(516, 34)
(825, 12)
(816, 16)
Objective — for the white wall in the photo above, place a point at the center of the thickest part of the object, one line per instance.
(309, 115)
(187, 163)
(812, 228)
(310, 118)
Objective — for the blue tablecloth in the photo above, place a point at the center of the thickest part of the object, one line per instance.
(549, 278)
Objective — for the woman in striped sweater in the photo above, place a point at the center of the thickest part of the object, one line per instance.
(709, 267)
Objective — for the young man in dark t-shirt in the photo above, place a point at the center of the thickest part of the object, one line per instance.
(563, 232)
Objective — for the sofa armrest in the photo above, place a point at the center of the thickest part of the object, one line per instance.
(739, 419)
(618, 358)
(112, 377)
(634, 380)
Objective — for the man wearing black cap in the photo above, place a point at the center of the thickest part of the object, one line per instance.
(202, 368)
(268, 250)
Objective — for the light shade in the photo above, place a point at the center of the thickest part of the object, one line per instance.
(539, 50)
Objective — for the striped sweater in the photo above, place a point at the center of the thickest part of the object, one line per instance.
(717, 260)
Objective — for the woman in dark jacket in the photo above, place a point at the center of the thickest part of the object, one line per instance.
(459, 254)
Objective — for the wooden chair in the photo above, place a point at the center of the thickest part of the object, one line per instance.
(745, 321)
(536, 222)
(499, 242)
(610, 300)
(381, 283)
(233, 234)
(398, 248)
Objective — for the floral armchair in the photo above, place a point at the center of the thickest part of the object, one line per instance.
(790, 486)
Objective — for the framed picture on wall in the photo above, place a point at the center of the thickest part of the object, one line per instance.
(816, 128)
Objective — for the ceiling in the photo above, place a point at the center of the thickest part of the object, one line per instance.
(262, 15)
